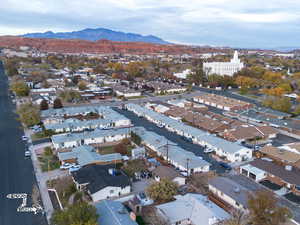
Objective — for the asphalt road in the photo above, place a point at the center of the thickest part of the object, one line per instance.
(16, 172)
(197, 149)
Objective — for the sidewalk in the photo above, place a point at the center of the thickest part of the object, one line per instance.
(43, 177)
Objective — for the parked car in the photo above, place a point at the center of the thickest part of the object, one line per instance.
(74, 168)
(145, 200)
(66, 166)
(24, 138)
(225, 165)
(27, 153)
(208, 150)
(160, 125)
(187, 139)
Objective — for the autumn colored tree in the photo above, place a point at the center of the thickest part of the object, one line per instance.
(57, 104)
(278, 91)
(82, 85)
(70, 95)
(44, 105)
(245, 82)
(11, 67)
(272, 77)
(133, 69)
(20, 88)
(286, 87)
(282, 104)
(29, 114)
(264, 209)
(163, 190)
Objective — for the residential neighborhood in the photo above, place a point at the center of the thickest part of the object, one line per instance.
(153, 138)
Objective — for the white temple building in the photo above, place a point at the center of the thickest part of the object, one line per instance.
(224, 68)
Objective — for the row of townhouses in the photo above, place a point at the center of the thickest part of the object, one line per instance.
(233, 152)
(177, 156)
(76, 119)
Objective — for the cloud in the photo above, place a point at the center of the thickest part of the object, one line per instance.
(219, 22)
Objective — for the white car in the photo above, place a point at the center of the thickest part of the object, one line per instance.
(24, 138)
(160, 125)
(66, 166)
(27, 153)
(74, 168)
(208, 150)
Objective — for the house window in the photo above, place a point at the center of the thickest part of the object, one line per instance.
(237, 204)
(111, 191)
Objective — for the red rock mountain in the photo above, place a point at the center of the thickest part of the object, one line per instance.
(101, 46)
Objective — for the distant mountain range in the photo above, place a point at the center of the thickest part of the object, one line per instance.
(98, 34)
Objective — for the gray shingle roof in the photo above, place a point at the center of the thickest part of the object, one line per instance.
(113, 213)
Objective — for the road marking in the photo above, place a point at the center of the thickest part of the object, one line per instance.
(22, 208)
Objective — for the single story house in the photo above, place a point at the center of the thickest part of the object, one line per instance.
(193, 209)
(102, 181)
(114, 213)
(165, 172)
(87, 155)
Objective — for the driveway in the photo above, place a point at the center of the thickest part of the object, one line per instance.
(141, 186)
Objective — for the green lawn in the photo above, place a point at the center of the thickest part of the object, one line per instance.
(111, 149)
(106, 150)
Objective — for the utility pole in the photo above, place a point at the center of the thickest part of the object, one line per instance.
(187, 166)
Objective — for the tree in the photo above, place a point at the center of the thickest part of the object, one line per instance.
(133, 69)
(286, 87)
(29, 114)
(297, 110)
(57, 104)
(277, 91)
(133, 166)
(78, 214)
(282, 104)
(273, 78)
(197, 76)
(263, 209)
(44, 105)
(163, 190)
(238, 218)
(82, 85)
(245, 82)
(20, 88)
(11, 67)
(70, 95)
(135, 138)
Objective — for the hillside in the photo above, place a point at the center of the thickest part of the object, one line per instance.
(100, 47)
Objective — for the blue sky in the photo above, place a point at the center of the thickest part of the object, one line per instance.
(236, 23)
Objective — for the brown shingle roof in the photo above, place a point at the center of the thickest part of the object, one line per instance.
(280, 154)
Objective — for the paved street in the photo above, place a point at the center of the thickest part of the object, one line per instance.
(16, 172)
(197, 149)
